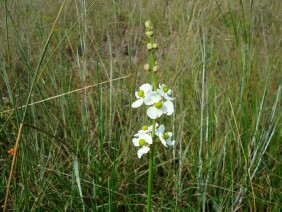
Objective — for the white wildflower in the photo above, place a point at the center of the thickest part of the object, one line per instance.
(160, 108)
(141, 94)
(165, 137)
(165, 92)
(146, 130)
(143, 141)
(152, 97)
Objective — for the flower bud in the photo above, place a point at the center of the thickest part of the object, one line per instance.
(155, 68)
(141, 142)
(155, 45)
(148, 24)
(146, 67)
(149, 46)
(149, 33)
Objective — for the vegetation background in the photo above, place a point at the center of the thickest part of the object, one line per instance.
(223, 60)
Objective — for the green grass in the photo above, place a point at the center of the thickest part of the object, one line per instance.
(223, 61)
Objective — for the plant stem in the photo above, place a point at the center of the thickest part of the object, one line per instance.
(151, 161)
(150, 176)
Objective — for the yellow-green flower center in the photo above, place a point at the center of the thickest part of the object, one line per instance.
(145, 127)
(158, 105)
(165, 89)
(141, 142)
(141, 93)
(166, 136)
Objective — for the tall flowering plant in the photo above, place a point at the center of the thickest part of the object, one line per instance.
(158, 99)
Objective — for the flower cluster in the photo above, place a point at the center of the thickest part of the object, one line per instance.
(143, 138)
(159, 101)
(158, 98)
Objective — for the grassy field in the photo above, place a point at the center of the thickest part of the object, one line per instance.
(78, 63)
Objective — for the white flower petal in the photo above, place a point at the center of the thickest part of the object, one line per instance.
(147, 138)
(135, 141)
(161, 92)
(159, 113)
(170, 107)
(140, 132)
(153, 112)
(146, 88)
(156, 98)
(167, 97)
(148, 98)
(163, 108)
(168, 92)
(137, 103)
(136, 95)
(162, 129)
(170, 143)
(151, 98)
(142, 151)
(162, 139)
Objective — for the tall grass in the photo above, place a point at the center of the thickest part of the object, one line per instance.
(75, 152)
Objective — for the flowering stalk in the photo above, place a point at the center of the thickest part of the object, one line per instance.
(159, 99)
(155, 84)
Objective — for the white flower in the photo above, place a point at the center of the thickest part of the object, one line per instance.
(165, 92)
(141, 94)
(166, 138)
(152, 97)
(143, 141)
(146, 130)
(160, 108)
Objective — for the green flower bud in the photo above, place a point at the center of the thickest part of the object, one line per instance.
(158, 105)
(166, 136)
(155, 68)
(155, 45)
(145, 127)
(149, 33)
(165, 89)
(141, 93)
(149, 46)
(141, 142)
(146, 67)
(148, 24)
(156, 63)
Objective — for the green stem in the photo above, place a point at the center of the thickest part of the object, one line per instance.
(150, 176)
(151, 161)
